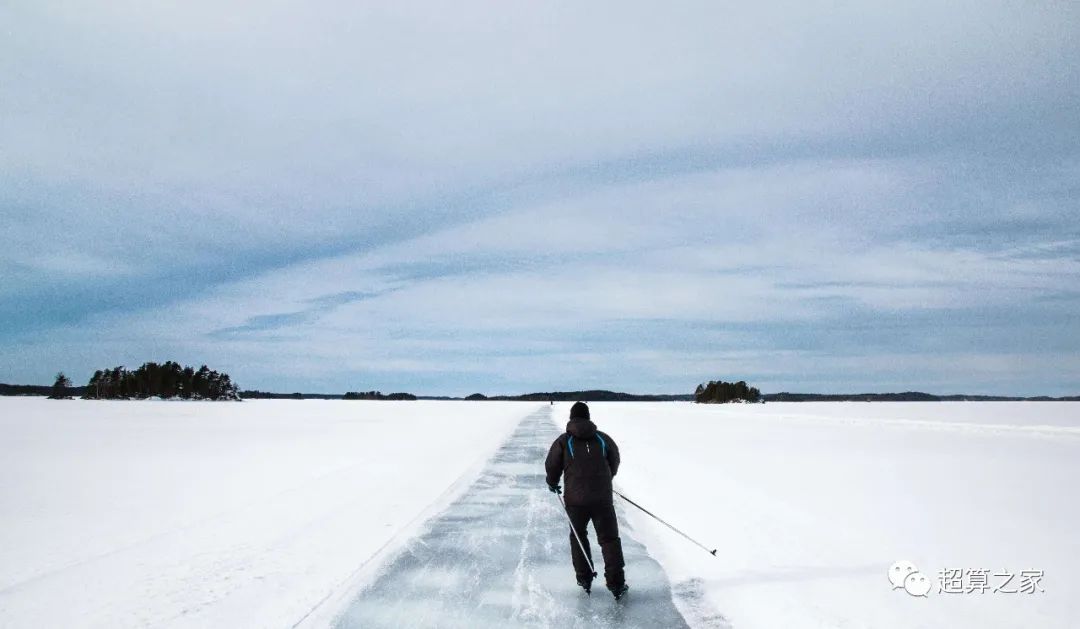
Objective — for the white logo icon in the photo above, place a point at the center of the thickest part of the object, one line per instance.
(917, 584)
(899, 571)
(904, 574)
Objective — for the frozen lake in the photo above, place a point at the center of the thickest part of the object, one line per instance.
(499, 557)
(278, 513)
(810, 503)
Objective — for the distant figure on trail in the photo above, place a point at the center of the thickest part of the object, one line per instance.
(589, 459)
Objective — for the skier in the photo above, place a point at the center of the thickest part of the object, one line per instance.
(589, 459)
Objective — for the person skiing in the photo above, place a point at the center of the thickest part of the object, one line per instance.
(589, 459)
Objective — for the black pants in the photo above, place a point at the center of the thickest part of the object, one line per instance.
(607, 533)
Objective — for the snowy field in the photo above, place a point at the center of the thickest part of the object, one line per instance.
(809, 504)
(213, 514)
(278, 513)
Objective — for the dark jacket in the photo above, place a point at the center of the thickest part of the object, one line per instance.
(588, 458)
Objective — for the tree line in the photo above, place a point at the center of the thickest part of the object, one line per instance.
(719, 392)
(166, 380)
(593, 395)
(378, 395)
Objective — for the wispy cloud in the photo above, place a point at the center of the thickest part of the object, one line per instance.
(475, 196)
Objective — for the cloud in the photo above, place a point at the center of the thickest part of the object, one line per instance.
(451, 195)
(519, 299)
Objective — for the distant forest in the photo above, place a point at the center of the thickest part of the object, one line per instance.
(253, 394)
(720, 392)
(351, 395)
(166, 380)
(557, 396)
(909, 396)
(35, 390)
(593, 395)
(376, 395)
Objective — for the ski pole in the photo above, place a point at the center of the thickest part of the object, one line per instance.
(576, 536)
(703, 547)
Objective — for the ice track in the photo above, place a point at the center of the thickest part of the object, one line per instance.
(499, 556)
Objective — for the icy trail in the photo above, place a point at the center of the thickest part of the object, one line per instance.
(499, 556)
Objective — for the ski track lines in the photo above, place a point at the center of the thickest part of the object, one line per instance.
(499, 556)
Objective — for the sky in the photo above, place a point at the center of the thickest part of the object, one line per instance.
(502, 197)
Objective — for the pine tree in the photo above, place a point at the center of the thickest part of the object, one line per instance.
(60, 387)
(93, 389)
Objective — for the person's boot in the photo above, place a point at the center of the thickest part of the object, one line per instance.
(619, 591)
(586, 584)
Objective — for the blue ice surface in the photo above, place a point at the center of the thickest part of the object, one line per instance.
(500, 557)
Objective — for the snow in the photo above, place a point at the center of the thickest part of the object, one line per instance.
(809, 504)
(286, 513)
(211, 514)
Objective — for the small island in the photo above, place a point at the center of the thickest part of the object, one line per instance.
(168, 380)
(720, 392)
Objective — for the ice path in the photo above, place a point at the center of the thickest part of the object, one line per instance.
(499, 557)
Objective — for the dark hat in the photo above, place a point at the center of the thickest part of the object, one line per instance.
(580, 410)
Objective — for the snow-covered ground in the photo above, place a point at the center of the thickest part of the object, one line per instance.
(270, 513)
(204, 514)
(809, 504)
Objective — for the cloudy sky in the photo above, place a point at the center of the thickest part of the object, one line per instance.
(516, 196)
